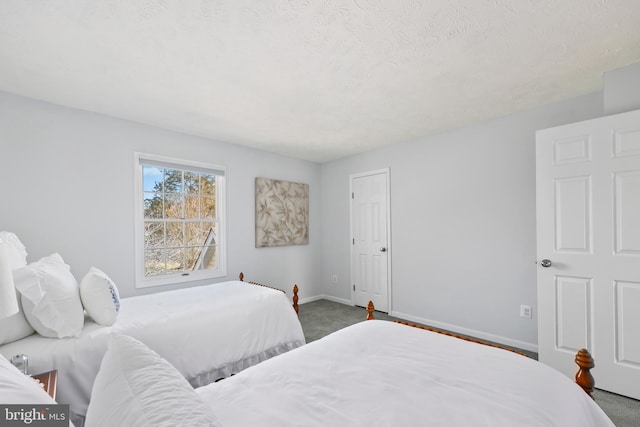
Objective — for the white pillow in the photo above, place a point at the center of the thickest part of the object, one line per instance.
(137, 387)
(17, 251)
(16, 327)
(51, 298)
(100, 297)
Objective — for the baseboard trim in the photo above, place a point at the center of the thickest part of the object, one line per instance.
(440, 325)
(470, 332)
(327, 297)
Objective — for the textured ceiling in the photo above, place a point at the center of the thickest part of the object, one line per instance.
(317, 80)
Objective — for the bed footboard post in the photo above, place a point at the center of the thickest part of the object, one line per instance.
(370, 309)
(295, 298)
(583, 376)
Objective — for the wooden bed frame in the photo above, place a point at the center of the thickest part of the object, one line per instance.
(295, 291)
(583, 358)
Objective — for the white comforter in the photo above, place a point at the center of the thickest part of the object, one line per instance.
(378, 373)
(206, 332)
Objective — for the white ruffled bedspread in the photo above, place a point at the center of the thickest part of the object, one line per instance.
(379, 373)
(206, 332)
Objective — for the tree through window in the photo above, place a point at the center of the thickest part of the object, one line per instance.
(181, 218)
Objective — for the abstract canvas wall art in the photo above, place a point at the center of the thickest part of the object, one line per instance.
(282, 213)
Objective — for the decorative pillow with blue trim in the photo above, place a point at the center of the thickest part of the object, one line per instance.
(100, 297)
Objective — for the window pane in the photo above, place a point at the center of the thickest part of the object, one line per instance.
(175, 234)
(210, 233)
(173, 206)
(192, 255)
(153, 205)
(152, 178)
(153, 235)
(208, 258)
(192, 207)
(191, 182)
(199, 234)
(207, 184)
(154, 262)
(172, 181)
(175, 260)
(208, 207)
(194, 235)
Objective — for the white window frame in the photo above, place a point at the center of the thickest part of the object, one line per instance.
(141, 281)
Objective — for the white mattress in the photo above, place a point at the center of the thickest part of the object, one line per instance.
(206, 332)
(378, 373)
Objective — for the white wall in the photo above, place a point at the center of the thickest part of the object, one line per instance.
(463, 223)
(463, 208)
(66, 180)
(622, 89)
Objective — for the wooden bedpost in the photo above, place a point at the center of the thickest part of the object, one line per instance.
(583, 376)
(370, 309)
(295, 298)
(295, 290)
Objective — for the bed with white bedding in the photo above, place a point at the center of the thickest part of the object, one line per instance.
(378, 373)
(207, 333)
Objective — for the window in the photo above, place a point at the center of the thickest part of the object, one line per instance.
(179, 221)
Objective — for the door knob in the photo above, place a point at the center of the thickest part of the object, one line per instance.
(545, 263)
(383, 249)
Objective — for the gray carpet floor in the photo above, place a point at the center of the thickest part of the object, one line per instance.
(320, 318)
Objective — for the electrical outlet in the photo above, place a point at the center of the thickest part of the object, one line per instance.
(525, 311)
(334, 278)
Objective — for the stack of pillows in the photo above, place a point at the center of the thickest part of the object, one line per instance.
(51, 301)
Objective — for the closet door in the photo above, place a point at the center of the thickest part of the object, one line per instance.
(370, 267)
(588, 232)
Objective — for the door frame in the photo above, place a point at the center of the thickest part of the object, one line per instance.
(352, 177)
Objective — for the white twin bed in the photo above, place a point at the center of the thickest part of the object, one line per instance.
(207, 333)
(374, 373)
(379, 373)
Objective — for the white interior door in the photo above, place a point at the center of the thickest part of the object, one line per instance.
(588, 227)
(370, 239)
